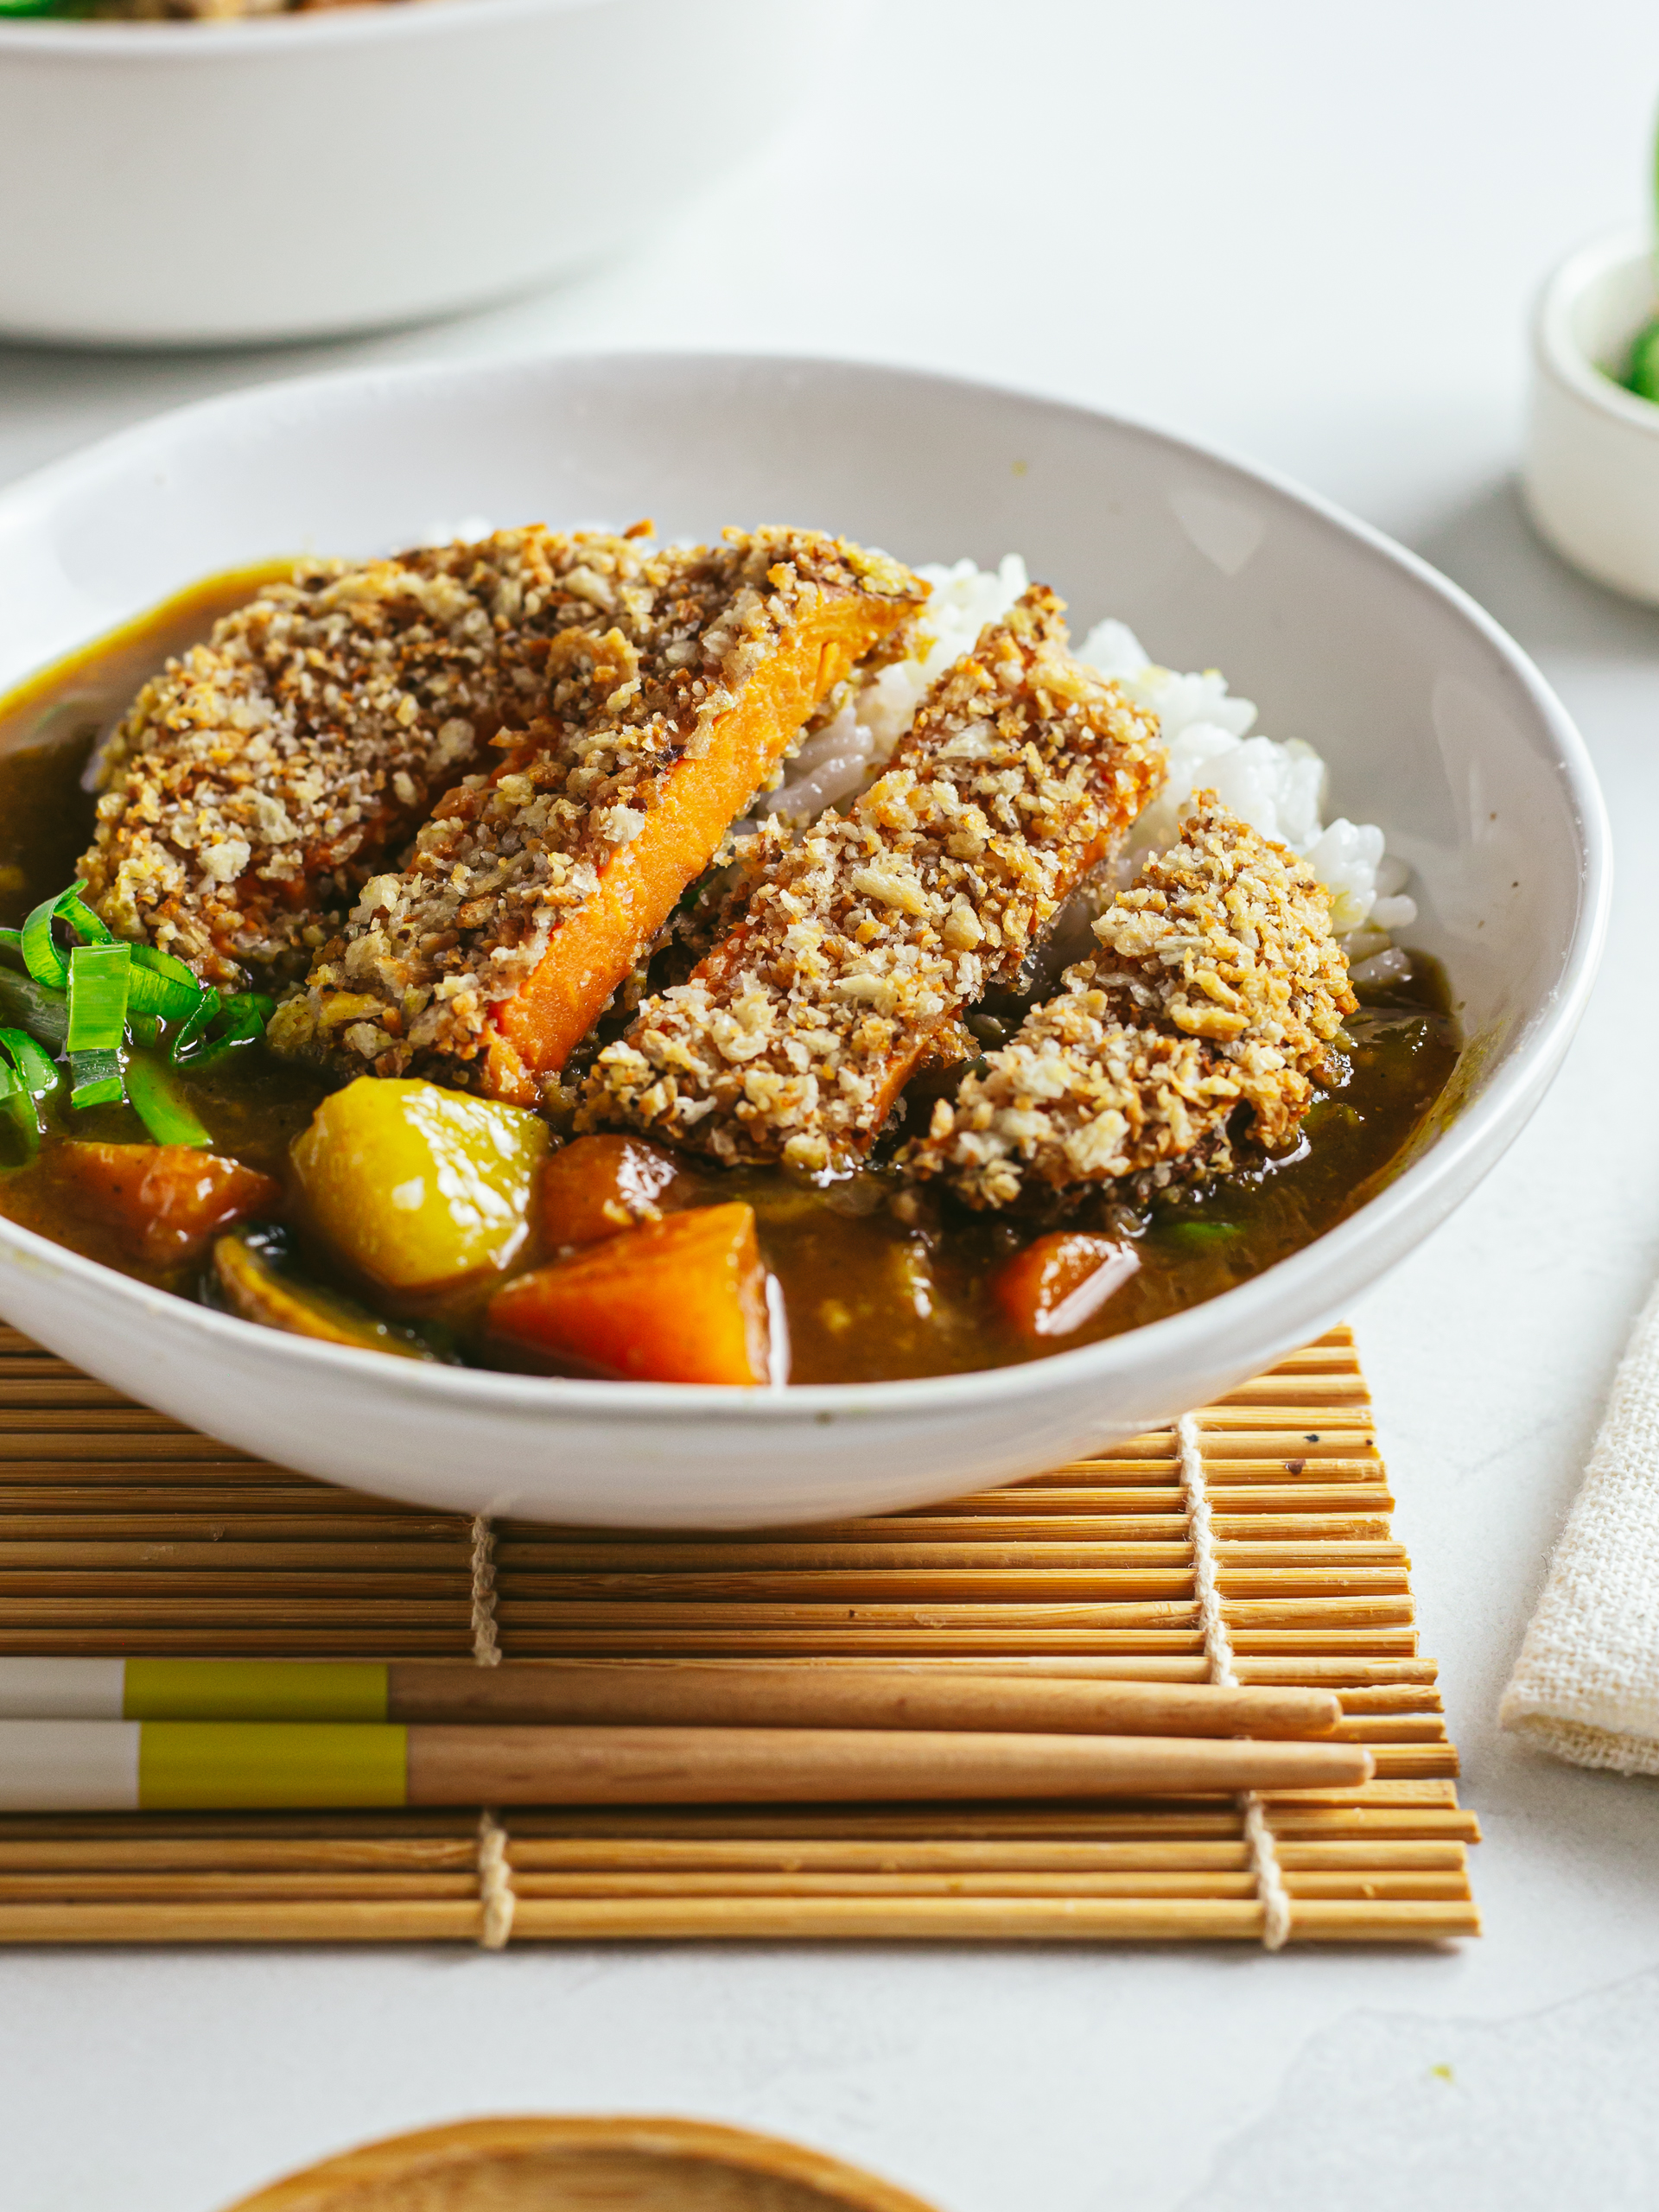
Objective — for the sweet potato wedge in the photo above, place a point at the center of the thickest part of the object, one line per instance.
(1059, 1282)
(166, 1202)
(585, 960)
(680, 1300)
(598, 1186)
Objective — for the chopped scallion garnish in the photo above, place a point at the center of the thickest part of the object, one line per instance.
(88, 1000)
(161, 985)
(29, 1077)
(30, 1006)
(156, 1100)
(95, 1079)
(240, 1020)
(99, 975)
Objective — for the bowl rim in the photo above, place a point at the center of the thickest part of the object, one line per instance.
(1558, 351)
(1176, 1341)
(209, 39)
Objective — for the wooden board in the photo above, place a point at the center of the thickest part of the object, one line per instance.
(122, 1533)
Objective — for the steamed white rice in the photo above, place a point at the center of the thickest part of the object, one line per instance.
(1278, 786)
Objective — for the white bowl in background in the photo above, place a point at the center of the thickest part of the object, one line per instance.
(296, 175)
(1592, 470)
(1432, 721)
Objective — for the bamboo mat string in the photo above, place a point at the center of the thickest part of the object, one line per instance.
(1218, 1656)
(497, 1899)
(486, 1648)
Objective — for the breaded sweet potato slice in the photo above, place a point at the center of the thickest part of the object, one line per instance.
(534, 889)
(261, 779)
(864, 938)
(1218, 987)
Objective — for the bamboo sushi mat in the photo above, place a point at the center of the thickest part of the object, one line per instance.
(123, 1533)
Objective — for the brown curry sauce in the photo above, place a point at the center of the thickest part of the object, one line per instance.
(870, 1296)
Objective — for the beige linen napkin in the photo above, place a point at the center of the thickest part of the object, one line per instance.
(1586, 1684)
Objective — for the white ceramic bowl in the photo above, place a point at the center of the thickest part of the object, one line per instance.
(1434, 723)
(294, 176)
(1591, 473)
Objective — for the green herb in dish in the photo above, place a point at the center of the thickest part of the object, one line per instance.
(1642, 373)
(88, 1001)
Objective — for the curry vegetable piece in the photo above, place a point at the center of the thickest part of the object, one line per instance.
(865, 939)
(1059, 1282)
(256, 1291)
(417, 1187)
(680, 1300)
(166, 1202)
(1213, 1007)
(596, 1187)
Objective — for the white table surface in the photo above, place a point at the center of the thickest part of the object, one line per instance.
(1311, 234)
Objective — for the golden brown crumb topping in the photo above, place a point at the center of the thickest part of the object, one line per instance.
(1219, 986)
(863, 938)
(668, 643)
(261, 778)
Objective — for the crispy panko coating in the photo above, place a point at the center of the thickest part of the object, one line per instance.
(685, 665)
(261, 779)
(863, 938)
(1218, 992)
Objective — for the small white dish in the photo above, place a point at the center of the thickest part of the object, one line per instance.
(1433, 722)
(299, 175)
(1592, 470)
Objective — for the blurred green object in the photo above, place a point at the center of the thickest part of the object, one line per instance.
(30, 8)
(1641, 376)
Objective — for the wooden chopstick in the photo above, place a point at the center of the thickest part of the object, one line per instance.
(477, 1765)
(162, 1765)
(688, 1693)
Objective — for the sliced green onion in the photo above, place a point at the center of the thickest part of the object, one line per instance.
(26, 1077)
(242, 1022)
(98, 977)
(97, 1022)
(30, 1006)
(89, 927)
(159, 1104)
(40, 1077)
(161, 985)
(11, 940)
(95, 1079)
(41, 954)
(206, 1009)
(239, 1020)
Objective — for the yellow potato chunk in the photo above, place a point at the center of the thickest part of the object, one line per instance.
(418, 1186)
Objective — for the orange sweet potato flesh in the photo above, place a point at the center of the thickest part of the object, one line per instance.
(680, 1300)
(1059, 1282)
(592, 950)
(166, 1203)
(596, 1187)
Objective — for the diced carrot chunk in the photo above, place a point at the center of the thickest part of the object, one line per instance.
(1059, 1282)
(599, 941)
(680, 1300)
(167, 1202)
(598, 1186)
